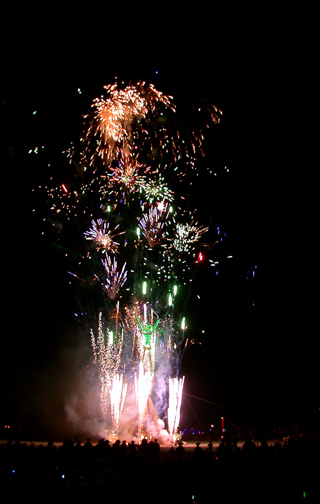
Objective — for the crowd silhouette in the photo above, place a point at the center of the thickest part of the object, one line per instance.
(126, 472)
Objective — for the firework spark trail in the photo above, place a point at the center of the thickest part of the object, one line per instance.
(126, 175)
(152, 224)
(110, 129)
(176, 139)
(117, 397)
(157, 190)
(103, 236)
(107, 355)
(143, 387)
(186, 235)
(115, 279)
(121, 123)
(64, 202)
(202, 116)
(175, 397)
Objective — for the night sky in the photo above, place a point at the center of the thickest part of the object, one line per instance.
(256, 347)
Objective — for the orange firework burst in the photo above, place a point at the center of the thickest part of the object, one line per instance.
(110, 129)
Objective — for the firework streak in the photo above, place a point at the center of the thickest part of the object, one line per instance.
(115, 279)
(107, 354)
(175, 397)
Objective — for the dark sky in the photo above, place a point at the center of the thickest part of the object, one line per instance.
(258, 360)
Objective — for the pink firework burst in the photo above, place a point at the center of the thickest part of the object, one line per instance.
(152, 224)
(115, 279)
(103, 236)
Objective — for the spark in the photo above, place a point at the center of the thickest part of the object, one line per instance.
(107, 355)
(117, 397)
(126, 176)
(175, 397)
(157, 190)
(103, 236)
(111, 127)
(115, 279)
(76, 276)
(151, 224)
(186, 235)
(143, 386)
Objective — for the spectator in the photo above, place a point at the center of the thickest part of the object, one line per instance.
(286, 472)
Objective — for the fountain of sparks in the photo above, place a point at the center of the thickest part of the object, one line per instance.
(107, 355)
(143, 387)
(175, 397)
(117, 397)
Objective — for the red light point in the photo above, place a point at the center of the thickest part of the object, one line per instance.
(200, 256)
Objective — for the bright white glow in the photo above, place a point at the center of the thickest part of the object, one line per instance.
(143, 386)
(117, 397)
(175, 397)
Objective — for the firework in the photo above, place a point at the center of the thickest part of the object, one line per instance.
(175, 397)
(110, 130)
(186, 235)
(132, 310)
(126, 176)
(103, 236)
(118, 174)
(152, 224)
(115, 279)
(157, 190)
(180, 136)
(117, 397)
(143, 387)
(107, 355)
